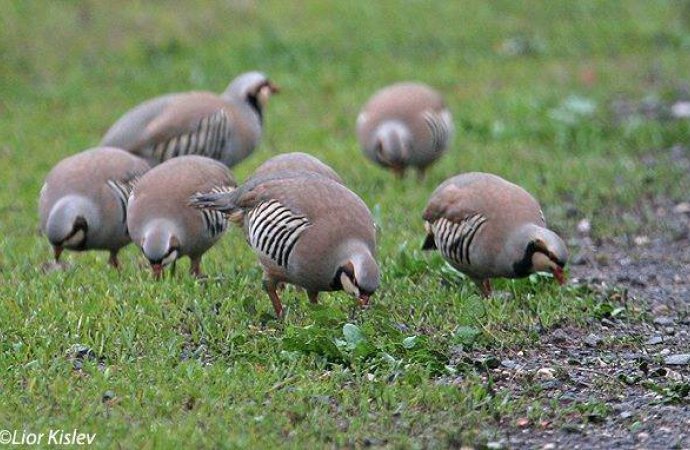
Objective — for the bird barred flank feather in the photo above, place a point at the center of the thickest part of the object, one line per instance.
(123, 189)
(208, 138)
(454, 240)
(273, 230)
(440, 127)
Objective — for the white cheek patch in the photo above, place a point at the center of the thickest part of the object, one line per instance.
(76, 239)
(169, 259)
(348, 286)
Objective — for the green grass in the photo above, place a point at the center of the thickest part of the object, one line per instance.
(204, 364)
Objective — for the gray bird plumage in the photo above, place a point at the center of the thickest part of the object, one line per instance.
(296, 162)
(83, 202)
(307, 230)
(405, 125)
(224, 127)
(160, 219)
(487, 227)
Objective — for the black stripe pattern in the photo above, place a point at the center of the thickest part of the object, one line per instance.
(207, 139)
(274, 230)
(215, 222)
(454, 240)
(122, 190)
(440, 126)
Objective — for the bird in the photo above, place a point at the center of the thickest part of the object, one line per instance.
(405, 125)
(224, 127)
(161, 221)
(488, 227)
(83, 202)
(296, 162)
(307, 230)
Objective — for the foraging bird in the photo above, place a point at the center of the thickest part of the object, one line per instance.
(405, 125)
(487, 227)
(83, 203)
(160, 219)
(296, 162)
(224, 127)
(307, 230)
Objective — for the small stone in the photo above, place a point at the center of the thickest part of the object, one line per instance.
(670, 331)
(592, 340)
(681, 110)
(626, 414)
(584, 226)
(641, 240)
(522, 422)
(678, 360)
(654, 340)
(559, 337)
(682, 208)
(509, 364)
(546, 373)
(643, 436)
(663, 321)
(549, 446)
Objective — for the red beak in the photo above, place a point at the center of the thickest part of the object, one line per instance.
(559, 275)
(157, 271)
(273, 87)
(363, 300)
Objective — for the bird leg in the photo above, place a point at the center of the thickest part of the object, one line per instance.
(421, 174)
(57, 251)
(270, 288)
(114, 263)
(173, 266)
(195, 269)
(484, 286)
(399, 172)
(313, 296)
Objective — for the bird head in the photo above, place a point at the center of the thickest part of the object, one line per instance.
(359, 276)
(544, 251)
(161, 246)
(252, 87)
(69, 223)
(392, 145)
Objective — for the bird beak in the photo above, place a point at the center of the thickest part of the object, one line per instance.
(273, 88)
(363, 300)
(157, 271)
(559, 275)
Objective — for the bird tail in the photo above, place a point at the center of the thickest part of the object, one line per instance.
(219, 199)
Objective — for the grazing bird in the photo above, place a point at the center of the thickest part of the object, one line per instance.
(83, 203)
(487, 227)
(307, 230)
(405, 125)
(296, 162)
(224, 127)
(160, 219)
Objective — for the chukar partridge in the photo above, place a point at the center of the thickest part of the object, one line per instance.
(487, 227)
(307, 230)
(296, 162)
(83, 203)
(160, 219)
(224, 127)
(405, 125)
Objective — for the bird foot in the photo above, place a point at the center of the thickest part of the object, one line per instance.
(54, 266)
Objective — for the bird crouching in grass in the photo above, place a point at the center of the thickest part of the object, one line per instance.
(405, 125)
(224, 127)
(487, 227)
(306, 230)
(161, 221)
(83, 202)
